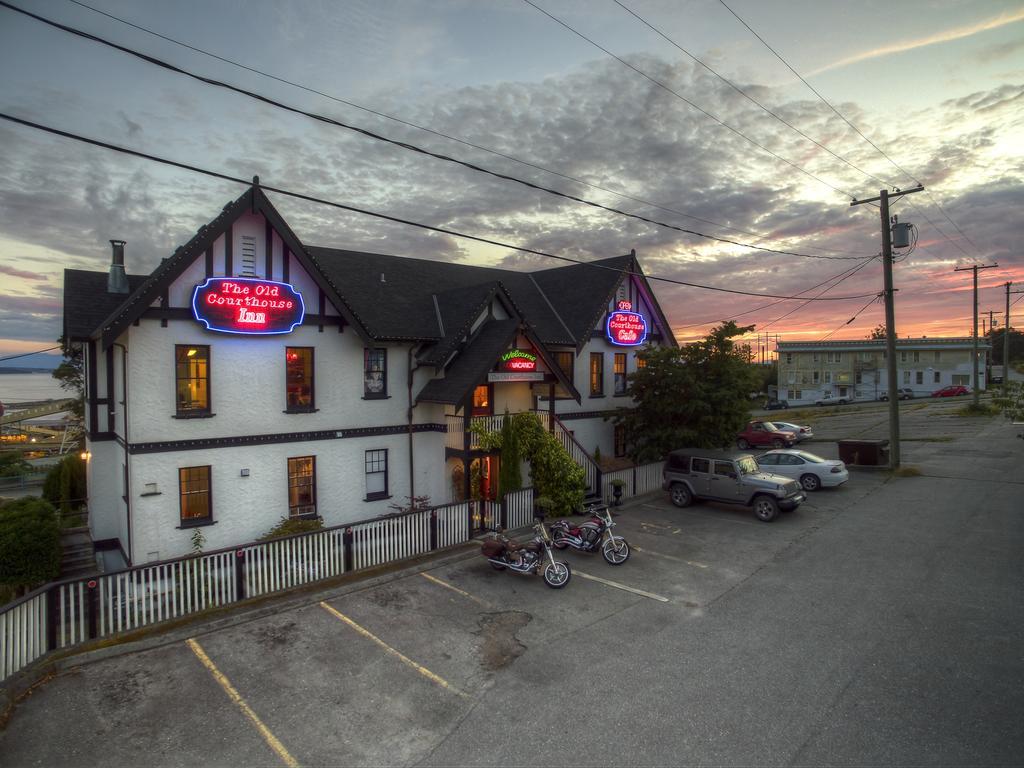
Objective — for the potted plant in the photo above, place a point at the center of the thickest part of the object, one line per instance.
(617, 485)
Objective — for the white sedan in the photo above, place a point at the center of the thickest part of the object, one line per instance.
(802, 433)
(811, 470)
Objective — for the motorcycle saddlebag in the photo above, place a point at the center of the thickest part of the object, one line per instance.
(492, 548)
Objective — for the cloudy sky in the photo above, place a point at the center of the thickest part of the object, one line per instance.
(673, 110)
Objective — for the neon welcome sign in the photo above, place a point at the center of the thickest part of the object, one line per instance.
(518, 360)
(247, 305)
(625, 327)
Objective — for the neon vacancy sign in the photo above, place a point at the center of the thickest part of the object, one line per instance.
(625, 327)
(247, 305)
(518, 360)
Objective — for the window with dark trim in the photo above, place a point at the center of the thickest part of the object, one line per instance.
(302, 486)
(377, 474)
(596, 374)
(619, 368)
(483, 400)
(298, 365)
(375, 372)
(194, 495)
(192, 379)
(620, 440)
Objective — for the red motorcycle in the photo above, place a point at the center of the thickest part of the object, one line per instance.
(591, 535)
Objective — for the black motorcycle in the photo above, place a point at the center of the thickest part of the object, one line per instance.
(535, 556)
(592, 535)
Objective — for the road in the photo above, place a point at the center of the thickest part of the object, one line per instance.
(879, 624)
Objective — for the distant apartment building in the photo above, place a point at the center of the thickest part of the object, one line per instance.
(858, 370)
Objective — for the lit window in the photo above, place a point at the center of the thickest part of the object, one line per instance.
(302, 486)
(299, 378)
(620, 373)
(194, 495)
(192, 379)
(482, 401)
(596, 374)
(375, 373)
(376, 474)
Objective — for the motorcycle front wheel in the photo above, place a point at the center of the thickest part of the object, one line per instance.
(615, 551)
(557, 574)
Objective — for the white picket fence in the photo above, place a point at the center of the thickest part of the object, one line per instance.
(67, 613)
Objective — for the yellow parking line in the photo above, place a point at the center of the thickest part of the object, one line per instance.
(670, 557)
(623, 587)
(398, 654)
(271, 740)
(453, 588)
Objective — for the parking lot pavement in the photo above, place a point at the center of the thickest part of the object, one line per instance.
(878, 623)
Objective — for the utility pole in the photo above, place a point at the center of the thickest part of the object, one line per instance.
(974, 268)
(1006, 341)
(890, 317)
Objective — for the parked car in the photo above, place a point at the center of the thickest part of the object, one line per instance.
(802, 433)
(903, 393)
(829, 399)
(732, 477)
(812, 471)
(952, 391)
(764, 433)
(776, 405)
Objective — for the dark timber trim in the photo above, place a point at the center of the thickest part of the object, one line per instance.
(283, 437)
(269, 254)
(229, 249)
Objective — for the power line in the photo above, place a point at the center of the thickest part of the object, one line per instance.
(682, 98)
(774, 303)
(796, 309)
(437, 133)
(854, 317)
(386, 217)
(842, 117)
(746, 95)
(401, 144)
(28, 354)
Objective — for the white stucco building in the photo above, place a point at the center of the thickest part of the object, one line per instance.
(251, 378)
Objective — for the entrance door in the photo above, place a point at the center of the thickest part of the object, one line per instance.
(484, 478)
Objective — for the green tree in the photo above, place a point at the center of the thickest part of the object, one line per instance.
(13, 465)
(554, 473)
(510, 476)
(29, 543)
(70, 374)
(697, 395)
(64, 485)
(878, 332)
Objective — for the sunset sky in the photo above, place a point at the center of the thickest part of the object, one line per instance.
(645, 126)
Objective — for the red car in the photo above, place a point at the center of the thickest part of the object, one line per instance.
(951, 391)
(764, 433)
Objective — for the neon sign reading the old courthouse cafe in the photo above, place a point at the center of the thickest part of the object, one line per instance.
(626, 328)
(247, 305)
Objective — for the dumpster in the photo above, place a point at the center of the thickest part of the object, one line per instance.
(865, 453)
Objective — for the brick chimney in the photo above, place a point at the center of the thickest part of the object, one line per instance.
(117, 280)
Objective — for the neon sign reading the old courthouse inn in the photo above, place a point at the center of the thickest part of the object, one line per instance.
(247, 305)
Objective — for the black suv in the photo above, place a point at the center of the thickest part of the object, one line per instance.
(732, 477)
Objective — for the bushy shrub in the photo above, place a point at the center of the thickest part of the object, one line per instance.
(292, 525)
(64, 485)
(29, 543)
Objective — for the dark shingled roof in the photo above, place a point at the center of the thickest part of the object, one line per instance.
(87, 303)
(472, 364)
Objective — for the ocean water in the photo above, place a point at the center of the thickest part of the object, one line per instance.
(26, 387)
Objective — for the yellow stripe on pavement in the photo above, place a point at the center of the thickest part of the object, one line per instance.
(398, 654)
(236, 697)
(623, 587)
(453, 588)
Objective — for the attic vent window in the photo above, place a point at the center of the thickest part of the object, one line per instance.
(248, 267)
(622, 293)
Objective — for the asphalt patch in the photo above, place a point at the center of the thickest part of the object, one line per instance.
(499, 645)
